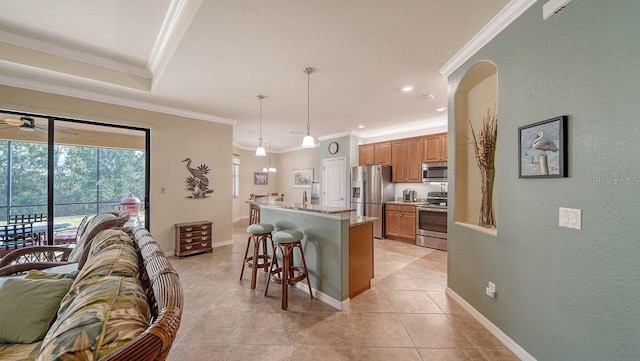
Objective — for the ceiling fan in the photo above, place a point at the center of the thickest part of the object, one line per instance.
(29, 125)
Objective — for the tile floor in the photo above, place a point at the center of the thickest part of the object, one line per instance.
(404, 316)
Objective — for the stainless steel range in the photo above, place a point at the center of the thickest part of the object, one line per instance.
(431, 221)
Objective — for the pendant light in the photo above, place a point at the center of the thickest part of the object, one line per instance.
(260, 152)
(270, 168)
(307, 141)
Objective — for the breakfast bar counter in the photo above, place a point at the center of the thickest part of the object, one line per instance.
(334, 243)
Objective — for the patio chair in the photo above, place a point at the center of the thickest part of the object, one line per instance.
(41, 257)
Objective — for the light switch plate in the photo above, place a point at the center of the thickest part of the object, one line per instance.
(570, 218)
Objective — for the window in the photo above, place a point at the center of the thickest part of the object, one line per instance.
(236, 175)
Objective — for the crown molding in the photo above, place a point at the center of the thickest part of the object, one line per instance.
(68, 53)
(115, 100)
(506, 16)
(337, 135)
(409, 128)
(175, 24)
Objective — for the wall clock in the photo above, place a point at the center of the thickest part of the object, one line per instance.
(333, 148)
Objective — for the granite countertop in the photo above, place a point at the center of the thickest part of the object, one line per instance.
(420, 203)
(358, 220)
(306, 207)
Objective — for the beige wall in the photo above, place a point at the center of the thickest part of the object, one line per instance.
(298, 159)
(249, 164)
(173, 138)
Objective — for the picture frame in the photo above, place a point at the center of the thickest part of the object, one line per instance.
(542, 149)
(302, 178)
(260, 178)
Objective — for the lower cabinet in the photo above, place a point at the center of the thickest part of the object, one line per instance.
(401, 222)
(193, 238)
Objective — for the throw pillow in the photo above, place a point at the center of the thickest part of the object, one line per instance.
(28, 307)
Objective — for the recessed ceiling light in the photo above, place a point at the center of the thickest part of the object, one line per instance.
(407, 88)
(360, 126)
(441, 109)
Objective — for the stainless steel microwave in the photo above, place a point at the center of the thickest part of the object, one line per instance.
(434, 172)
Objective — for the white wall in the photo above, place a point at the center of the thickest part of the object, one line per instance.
(249, 164)
(297, 159)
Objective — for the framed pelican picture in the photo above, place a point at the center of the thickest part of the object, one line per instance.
(543, 149)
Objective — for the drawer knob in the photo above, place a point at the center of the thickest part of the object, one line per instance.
(187, 234)
(205, 227)
(203, 244)
(204, 232)
(188, 229)
(188, 240)
(188, 246)
(204, 238)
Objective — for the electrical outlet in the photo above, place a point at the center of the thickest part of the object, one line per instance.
(570, 218)
(491, 290)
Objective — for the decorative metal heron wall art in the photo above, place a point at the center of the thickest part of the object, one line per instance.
(197, 182)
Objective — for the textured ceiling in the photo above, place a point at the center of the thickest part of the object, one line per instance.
(212, 58)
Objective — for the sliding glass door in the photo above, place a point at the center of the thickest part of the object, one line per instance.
(77, 169)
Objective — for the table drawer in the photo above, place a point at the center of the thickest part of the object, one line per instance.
(194, 239)
(195, 247)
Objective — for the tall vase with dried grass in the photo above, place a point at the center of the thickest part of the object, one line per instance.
(485, 142)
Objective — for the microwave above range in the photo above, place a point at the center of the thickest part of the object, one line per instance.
(434, 172)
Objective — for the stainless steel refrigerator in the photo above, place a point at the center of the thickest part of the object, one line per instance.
(371, 187)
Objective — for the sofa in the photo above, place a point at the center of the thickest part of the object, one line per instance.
(123, 302)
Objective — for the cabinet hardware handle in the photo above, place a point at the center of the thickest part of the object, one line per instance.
(188, 240)
(204, 238)
(204, 232)
(188, 246)
(188, 229)
(203, 244)
(205, 227)
(187, 234)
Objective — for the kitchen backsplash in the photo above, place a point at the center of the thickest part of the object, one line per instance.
(420, 188)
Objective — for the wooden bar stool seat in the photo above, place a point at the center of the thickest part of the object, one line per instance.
(288, 275)
(258, 235)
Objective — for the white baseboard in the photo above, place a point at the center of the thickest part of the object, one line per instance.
(338, 305)
(506, 340)
(239, 218)
(222, 244)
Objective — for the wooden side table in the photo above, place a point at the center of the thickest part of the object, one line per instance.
(193, 238)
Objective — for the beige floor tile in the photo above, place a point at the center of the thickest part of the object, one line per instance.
(451, 355)
(323, 353)
(331, 329)
(387, 354)
(412, 302)
(434, 331)
(378, 329)
(396, 281)
(373, 300)
(430, 282)
(260, 352)
(185, 351)
(223, 319)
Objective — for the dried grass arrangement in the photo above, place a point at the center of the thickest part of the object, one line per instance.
(485, 141)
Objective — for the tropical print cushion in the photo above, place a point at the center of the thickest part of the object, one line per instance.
(96, 317)
(19, 351)
(106, 238)
(117, 258)
(96, 224)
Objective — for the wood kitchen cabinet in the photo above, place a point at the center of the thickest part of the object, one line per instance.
(193, 238)
(401, 222)
(406, 161)
(434, 148)
(375, 153)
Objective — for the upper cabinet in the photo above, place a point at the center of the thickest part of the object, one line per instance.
(406, 164)
(434, 148)
(376, 153)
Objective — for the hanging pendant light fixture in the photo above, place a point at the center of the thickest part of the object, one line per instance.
(260, 152)
(270, 168)
(307, 141)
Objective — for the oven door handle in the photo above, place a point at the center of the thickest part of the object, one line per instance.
(441, 210)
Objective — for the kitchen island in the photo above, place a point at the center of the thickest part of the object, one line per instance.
(338, 248)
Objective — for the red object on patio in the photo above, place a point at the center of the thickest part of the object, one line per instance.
(132, 205)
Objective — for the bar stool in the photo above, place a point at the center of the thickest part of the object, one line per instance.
(258, 233)
(286, 241)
